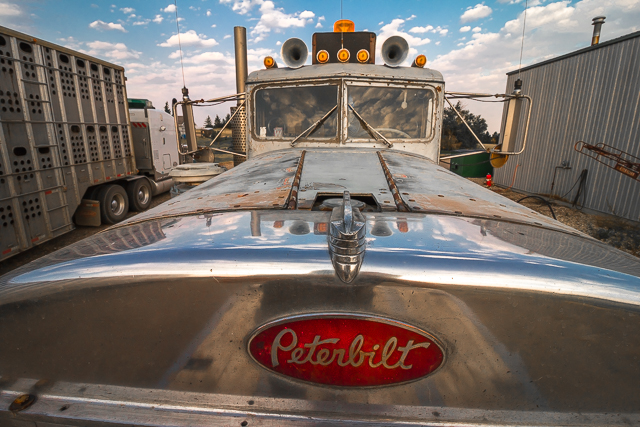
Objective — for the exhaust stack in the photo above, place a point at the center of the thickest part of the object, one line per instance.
(597, 25)
(239, 123)
(189, 122)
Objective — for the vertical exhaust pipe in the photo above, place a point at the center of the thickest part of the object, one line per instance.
(597, 25)
(189, 123)
(239, 123)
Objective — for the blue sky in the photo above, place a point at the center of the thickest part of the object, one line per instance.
(472, 43)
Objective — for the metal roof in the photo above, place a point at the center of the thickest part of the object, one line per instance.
(578, 52)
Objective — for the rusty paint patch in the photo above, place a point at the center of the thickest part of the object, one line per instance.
(433, 189)
(264, 182)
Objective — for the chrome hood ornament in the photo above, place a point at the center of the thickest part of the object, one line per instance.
(347, 239)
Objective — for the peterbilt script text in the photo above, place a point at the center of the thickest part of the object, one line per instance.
(355, 357)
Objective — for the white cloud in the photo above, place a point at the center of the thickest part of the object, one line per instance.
(127, 10)
(321, 18)
(411, 17)
(429, 29)
(169, 9)
(208, 13)
(271, 18)
(437, 43)
(553, 29)
(319, 25)
(158, 19)
(106, 26)
(278, 43)
(111, 51)
(476, 29)
(142, 22)
(394, 29)
(189, 38)
(465, 29)
(242, 6)
(421, 30)
(210, 57)
(228, 36)
(9, 10)
(213, 26)
(474, 13)
(276, 19)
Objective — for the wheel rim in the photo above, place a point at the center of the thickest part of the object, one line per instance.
(144, 195)
(117, 205)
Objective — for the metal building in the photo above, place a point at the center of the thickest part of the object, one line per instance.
(590, 95)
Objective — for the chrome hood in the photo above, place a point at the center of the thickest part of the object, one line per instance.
(152, 321)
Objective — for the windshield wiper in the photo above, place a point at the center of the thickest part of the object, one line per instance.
(377, 135)
(313, 127)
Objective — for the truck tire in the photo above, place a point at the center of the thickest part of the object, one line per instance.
(139, 192)
(114, 204)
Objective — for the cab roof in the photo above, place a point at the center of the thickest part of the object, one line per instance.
(355, 71)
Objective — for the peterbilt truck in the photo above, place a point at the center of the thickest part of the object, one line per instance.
(68, 133)
(338, 276)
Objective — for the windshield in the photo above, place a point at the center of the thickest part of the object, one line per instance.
(396, 113)
(287, 111)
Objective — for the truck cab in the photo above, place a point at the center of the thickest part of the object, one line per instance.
(153, 133)
(351, 105)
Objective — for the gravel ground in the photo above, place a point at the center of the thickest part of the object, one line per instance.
(619, 233)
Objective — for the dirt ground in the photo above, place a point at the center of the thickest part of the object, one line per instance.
(619, 233)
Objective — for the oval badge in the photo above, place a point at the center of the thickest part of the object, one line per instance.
(346, 350)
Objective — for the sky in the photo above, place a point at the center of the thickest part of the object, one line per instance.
(473, 44)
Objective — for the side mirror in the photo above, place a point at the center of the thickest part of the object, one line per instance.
(509, 133)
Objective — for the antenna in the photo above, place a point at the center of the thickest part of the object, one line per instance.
(524, 25)
(341, 32)
(175, 3)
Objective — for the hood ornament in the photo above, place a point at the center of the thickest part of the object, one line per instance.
(347, 239)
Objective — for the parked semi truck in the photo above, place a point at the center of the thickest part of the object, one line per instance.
(67, 132)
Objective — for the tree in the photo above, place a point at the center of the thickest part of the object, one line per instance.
(226, 119)
(455, 134)
(167, 109)
(207, 122)
(217, 122)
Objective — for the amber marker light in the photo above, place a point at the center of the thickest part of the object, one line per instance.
(363, 55)
(343, 55)
(420, 61)
(269, 62)
(344, 26)
(322, 56)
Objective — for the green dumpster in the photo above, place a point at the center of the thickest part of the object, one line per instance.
(474, 166)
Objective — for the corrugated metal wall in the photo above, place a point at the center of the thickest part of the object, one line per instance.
(593, 96)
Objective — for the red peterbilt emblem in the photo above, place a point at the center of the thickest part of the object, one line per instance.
(346, 350)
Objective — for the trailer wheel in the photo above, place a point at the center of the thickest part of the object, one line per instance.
(114, 204)
(139, 192)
